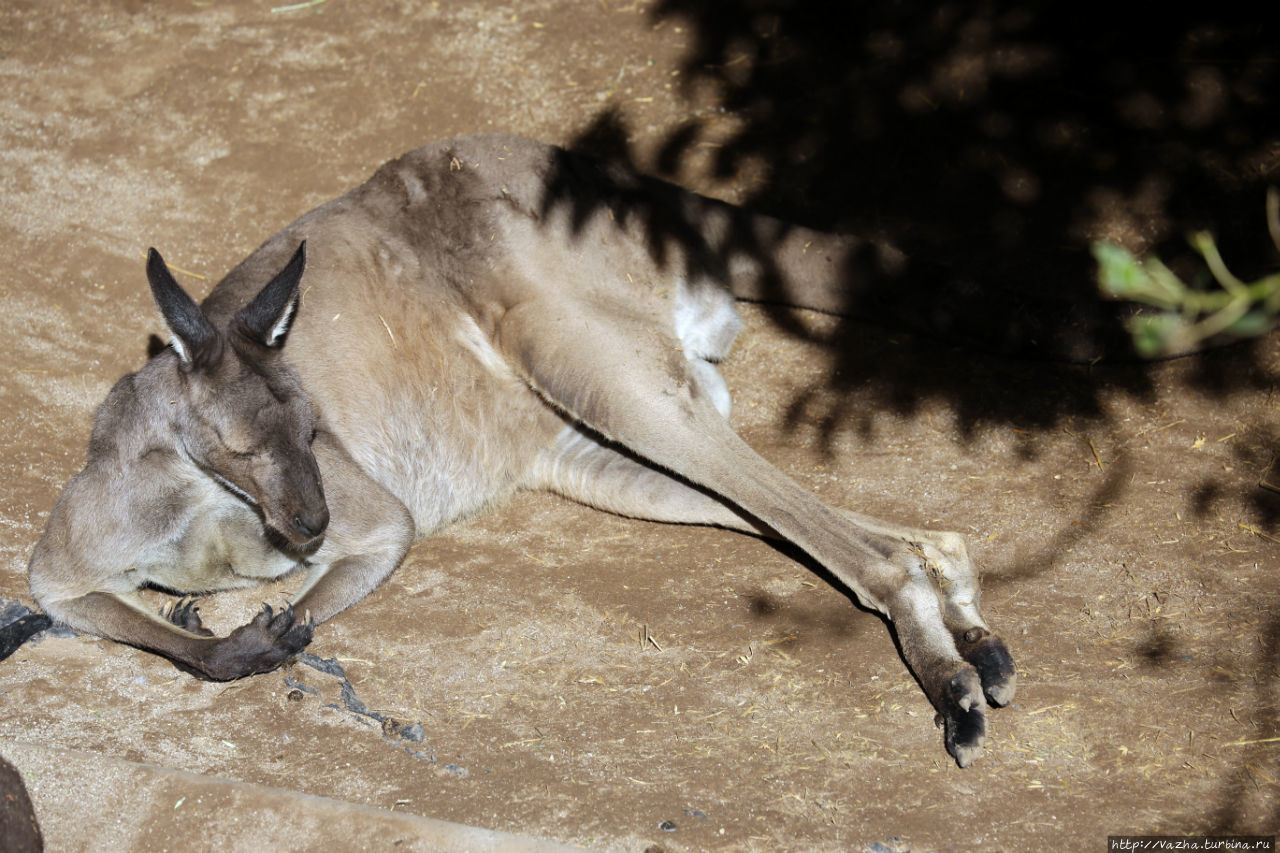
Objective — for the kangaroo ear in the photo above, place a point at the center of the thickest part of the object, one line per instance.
(267, 318)
(194, 338)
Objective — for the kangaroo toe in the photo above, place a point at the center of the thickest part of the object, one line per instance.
(963, 717)
(990, 657)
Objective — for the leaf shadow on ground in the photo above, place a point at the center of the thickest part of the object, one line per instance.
(991, 144)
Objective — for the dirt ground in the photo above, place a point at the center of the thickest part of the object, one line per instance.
(556, 673)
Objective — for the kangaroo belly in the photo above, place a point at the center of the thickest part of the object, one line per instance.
(404, 377)
(451, 447)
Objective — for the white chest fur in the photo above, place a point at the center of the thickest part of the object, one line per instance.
(219, 543)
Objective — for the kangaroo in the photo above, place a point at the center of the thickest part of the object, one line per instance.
(483, 315)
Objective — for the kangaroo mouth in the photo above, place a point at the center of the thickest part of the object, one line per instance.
(302, 528)
(300, 545)
(299, 532)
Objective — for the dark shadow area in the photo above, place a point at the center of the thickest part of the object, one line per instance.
(1048, 555)
(991, 144)
(1159, 649)
(783, 615)
(1258, 760)
(1203, 497)
(1264, 497)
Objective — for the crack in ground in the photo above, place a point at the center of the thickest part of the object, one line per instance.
(395, 732)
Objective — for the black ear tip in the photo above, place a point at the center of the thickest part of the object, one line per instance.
(297, 264)
(158, 271)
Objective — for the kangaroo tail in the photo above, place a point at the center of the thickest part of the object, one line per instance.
(14, 634)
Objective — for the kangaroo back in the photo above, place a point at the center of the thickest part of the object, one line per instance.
(758, 257)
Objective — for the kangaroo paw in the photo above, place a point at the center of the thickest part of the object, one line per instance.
(990, 656)
(269, 640)
(185, 613)
(962, 714)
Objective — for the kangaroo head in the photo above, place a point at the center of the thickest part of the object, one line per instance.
(241, 414)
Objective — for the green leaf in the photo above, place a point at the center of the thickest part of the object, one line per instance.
(1164, 289)
(1153, 334)
(1252, 324)
(1120, 274)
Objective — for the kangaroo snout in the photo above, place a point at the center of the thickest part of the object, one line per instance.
(301, 516)
(311, 524)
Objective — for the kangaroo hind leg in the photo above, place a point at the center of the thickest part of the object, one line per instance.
(954, 578)
(580, 467)
(630, 382)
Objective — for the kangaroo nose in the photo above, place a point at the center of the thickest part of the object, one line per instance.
(313, 524)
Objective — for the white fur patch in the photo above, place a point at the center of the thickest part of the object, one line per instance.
(233, 488)
(282, 325)
(713, 385)
(414, 187)
(706, 321)
(475, 341)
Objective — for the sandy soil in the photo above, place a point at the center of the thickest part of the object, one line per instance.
(558, 673)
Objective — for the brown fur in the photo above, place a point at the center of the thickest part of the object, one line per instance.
(483, 315)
